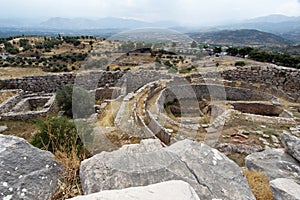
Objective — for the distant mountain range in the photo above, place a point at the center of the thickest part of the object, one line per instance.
(240, 37)
(283, 26)
(287, 27)
(271, 23)
(83, 23)
(273, 19)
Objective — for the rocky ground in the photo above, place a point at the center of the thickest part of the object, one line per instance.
(148, 169)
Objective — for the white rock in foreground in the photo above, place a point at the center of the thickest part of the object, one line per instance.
(170, 190)
(26, 172)
(292, 144)
(285, 189)
(209, 172)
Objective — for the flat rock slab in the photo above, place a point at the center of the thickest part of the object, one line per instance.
(292, 144)
(274, 163)
(170, 190)
(26, 172)
(3, 128)
(209, 172)
(283, 188)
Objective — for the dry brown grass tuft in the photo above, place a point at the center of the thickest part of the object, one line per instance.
(69, 184)
(107, 117)
(6, 95)
(259, 185)
(59, 135)
(119, 139)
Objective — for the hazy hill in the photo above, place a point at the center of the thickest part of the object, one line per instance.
(103, 23)
(287, 27)
(277, 18)
(239, 38)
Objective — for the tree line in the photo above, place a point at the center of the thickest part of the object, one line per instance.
(281, 59)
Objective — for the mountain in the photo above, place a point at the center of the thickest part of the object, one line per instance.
(276, 18)
(284, 26)
(8, 22)
(239, 38)
(103, 23)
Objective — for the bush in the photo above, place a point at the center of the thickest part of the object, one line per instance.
(58, 134)
(76, 99)
(240, 63)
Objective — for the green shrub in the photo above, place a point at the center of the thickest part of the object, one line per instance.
(240, 63)
(76, 99)
(58, 134)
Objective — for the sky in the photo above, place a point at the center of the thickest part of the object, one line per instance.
(184, 12)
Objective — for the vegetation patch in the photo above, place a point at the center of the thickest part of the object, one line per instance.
(59, 135)
(259, 185)
(6, 95)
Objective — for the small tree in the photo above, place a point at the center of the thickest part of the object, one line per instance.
(232, 51)
(194, 44)
(240, 63)
(217, 50)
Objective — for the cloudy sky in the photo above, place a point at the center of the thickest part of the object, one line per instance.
(192, 12)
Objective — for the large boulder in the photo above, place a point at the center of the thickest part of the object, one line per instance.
(26, 172)
(283, 188)
(170, 190)
(209, 172)
(274, 163)
(292, 144)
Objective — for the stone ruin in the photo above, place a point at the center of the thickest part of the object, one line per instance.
(24, 106)
(250, 92)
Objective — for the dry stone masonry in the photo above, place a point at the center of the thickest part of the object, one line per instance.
(151, 169)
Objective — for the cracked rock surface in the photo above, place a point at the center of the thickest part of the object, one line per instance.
(211, 174)
(292, 144)
(26, 172)
(171, 190)
(274, 163)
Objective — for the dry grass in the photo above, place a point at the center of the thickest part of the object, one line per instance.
(69, 184)
(107, 117)
(18, 72)
(23, 129)
(259, 185)
(5, 95)
(119, 139)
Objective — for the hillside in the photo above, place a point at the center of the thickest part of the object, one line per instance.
(240, 38)
(284, 26)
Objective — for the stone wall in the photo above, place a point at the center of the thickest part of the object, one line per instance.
(140, 78)
(52, 82)
(89, 80)
(7, 105)
(280, 81)
(30, 106)
(211, 92)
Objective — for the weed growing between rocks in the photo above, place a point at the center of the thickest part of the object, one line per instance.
(59, 135)
(259, 185)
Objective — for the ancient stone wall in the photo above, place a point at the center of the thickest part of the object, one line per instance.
(29, 106)
(88, 80)
(52, 82)
(7, 105)
(140, 78)
(211, 92)
(280, 81)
